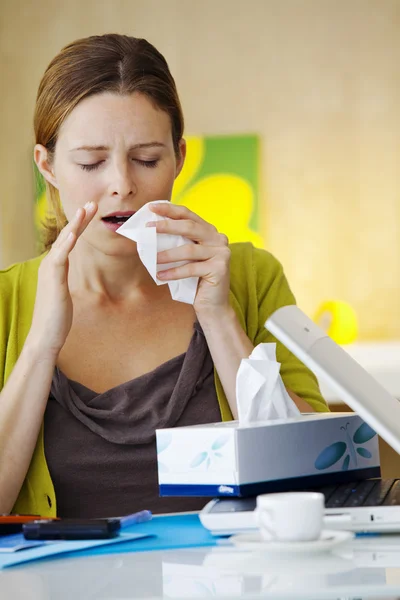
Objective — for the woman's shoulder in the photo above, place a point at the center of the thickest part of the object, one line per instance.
(249, 263)
(257, 280)
(247, 253)
(19, 274)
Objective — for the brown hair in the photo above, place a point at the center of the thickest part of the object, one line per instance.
(93, 65)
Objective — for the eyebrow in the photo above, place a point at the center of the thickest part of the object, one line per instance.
(135, 147)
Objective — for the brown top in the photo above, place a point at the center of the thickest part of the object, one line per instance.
(101, 449)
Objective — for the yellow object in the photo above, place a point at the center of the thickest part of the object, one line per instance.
(339, 320)
(226, 201)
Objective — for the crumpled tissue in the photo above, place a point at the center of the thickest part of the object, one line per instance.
(260, 391)
(149, 242)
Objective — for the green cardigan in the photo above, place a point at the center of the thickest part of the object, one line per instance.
(258, 287)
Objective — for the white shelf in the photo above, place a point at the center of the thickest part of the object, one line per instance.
(380, 359)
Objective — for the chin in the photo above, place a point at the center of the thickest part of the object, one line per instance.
(115, 245)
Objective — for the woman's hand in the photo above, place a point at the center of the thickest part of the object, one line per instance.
(52, 315)
(208, 257)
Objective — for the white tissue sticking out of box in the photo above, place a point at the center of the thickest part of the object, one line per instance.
(260, 391)
(149, 242)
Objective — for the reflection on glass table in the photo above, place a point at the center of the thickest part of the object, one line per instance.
(366, 568)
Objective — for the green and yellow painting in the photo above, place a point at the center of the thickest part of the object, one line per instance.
(219, 181)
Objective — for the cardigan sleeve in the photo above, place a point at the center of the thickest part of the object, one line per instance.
(8, 315)
(273, 292)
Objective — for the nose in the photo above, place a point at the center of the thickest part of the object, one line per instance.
(122, 183)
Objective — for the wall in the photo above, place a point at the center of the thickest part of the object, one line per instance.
(318, 79)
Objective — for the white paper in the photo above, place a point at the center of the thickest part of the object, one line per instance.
(149, 242)
(57, 548)
(260, 392)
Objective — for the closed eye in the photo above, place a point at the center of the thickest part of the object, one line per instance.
(150, 164)
(91, 167)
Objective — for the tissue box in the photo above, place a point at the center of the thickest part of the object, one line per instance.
(229, 459)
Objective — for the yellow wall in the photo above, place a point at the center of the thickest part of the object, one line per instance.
(318, 79)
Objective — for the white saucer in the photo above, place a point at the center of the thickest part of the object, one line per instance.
(328, 540)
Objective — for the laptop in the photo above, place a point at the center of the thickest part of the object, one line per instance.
(369, 505)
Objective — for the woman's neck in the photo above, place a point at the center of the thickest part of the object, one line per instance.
(109, 277)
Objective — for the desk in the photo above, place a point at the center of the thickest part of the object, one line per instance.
(365, 568)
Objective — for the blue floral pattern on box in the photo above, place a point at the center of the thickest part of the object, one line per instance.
(206, 457)
(333, 453)
(163, 441)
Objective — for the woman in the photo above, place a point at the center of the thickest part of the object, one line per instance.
(93, 355)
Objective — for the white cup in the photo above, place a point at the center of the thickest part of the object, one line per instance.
(291, 516)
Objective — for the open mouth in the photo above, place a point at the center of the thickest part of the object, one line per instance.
(114, 221)
(117, 219)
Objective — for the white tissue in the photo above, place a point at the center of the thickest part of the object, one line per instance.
(260, 392)
(149, 242)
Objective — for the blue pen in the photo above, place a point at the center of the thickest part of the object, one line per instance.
(135, 518)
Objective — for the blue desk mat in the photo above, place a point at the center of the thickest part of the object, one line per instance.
(164, 533)
(49, 550)
(167, 533)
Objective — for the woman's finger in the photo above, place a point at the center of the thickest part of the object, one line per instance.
(175, 211)
(214, 268)
(78, 224)
(90, 211)
(197, 232)
(73, 224)
(61, 253)
(192, 252)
